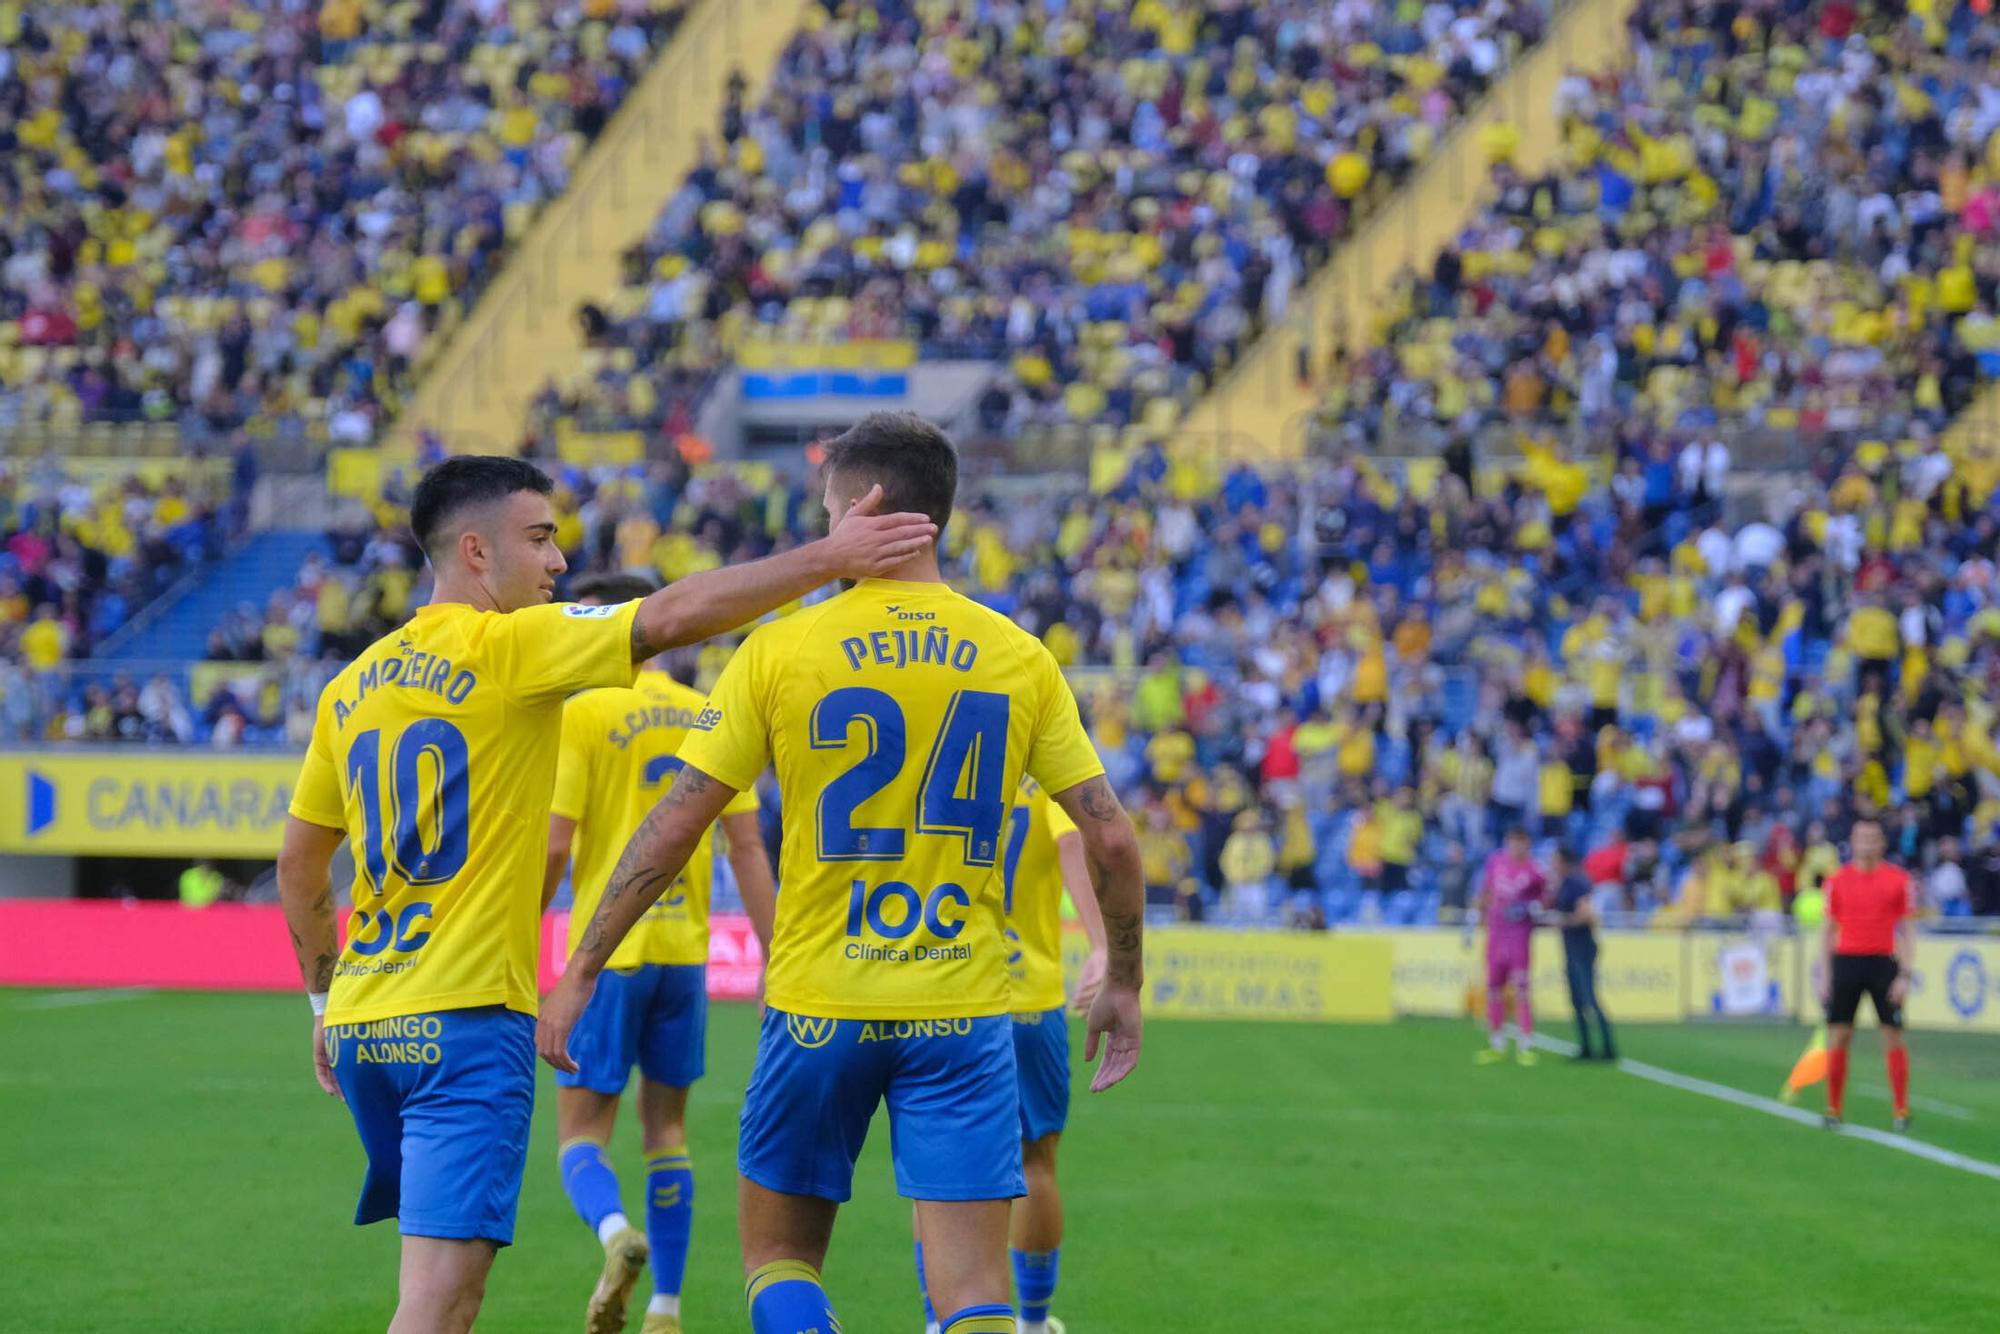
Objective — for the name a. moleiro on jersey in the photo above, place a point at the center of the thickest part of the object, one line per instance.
(415, 670)
(930, 646)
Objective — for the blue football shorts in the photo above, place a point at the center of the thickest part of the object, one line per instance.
(954, 1119)
(442, 1102)
(654, 1016)
(1041, 1061)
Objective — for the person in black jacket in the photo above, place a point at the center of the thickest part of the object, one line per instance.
(1576, 914)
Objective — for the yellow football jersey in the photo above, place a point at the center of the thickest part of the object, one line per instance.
(900, 717)
(1033, 897)
(618, 750)
(436, 751)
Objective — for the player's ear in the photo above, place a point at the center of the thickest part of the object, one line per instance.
(471, 549)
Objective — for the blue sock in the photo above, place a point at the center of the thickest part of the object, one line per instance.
(924, 1288)
(589, 1181)
(669, 1216)
(1035, 1281)
(785, 1298)
(995, 1318)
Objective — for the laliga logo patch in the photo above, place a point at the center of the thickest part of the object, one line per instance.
(583, 613)
(810, 1031)
(1965, 984)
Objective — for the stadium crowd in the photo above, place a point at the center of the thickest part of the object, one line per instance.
(263, 213)
(1110, 200)
(79, 556)
(1775, 215)
(1328, 690)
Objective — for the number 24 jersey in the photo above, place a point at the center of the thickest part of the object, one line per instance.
(900, 718)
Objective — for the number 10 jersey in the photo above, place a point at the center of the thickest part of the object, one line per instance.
(900, 718)
(435, 750)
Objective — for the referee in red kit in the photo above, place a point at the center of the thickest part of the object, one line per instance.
(1868, 952)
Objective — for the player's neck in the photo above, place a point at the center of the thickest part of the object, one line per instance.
(449, 588)
(919, 569)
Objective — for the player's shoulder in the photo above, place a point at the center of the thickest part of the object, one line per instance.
(1008, 629)
(782, 634)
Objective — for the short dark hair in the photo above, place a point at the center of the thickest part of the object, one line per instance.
(469, 479)
(612, 588)
(911, 460)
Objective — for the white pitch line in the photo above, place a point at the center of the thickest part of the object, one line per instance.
(63, 1000)
(1772, 1107)
(1918, 1101)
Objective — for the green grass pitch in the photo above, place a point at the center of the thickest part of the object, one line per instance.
(169, 1165)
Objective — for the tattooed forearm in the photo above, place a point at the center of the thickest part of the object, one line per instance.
(305, 890)
(1123, 946)
(1099, 801)
(659, 848)
(690, 784)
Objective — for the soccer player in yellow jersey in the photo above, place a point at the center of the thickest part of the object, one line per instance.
(435, 752)
(900, 717)
(1044, 856)
(651, 1006)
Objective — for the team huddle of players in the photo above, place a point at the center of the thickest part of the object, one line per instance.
(939, 791)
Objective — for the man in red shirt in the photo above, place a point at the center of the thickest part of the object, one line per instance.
(1868, 952)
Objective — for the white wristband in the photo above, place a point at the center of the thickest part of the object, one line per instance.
(317, 999)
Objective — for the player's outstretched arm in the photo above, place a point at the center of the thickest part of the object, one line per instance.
(1111, 850)
(305, 888)
(862, 545)
(658, 850)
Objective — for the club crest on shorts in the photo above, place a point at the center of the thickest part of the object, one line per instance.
(810, 1031)
(332, 1042)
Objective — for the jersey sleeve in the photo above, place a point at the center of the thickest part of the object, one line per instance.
(1059, 753)
(572, 764)
(545, 653)
(744, 802)
(731, 738)
(316, 797)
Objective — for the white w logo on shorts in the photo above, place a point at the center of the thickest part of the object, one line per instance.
(810, 1031)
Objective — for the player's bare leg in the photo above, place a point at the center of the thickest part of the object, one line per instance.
(441, 1284)
(1035, 1233)
(587, 1117)
(669, 1199)
(784, 1239)
(1839, 1038)
(965, 1257)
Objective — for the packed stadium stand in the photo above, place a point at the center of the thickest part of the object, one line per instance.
(268, 215)
(1633, 516)
(1112, 204)
(1778, 226)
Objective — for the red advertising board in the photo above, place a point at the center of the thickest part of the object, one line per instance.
(244, 947)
